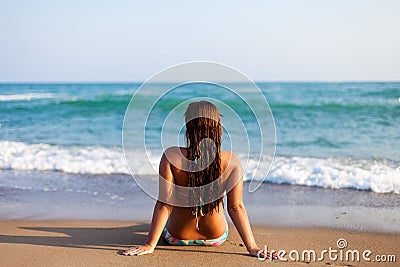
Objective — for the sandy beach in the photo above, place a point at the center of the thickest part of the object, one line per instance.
(99, 243)
(63, 228)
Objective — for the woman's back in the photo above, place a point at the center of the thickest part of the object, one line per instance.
(182, 223)
(200, 175)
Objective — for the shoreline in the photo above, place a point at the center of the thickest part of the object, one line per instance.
(59, 196)
(99, 243)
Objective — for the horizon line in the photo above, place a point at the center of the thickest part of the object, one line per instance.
(140, 82)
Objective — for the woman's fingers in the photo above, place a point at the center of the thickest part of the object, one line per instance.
(138, 250)
(273, 256)
(263, 254)
(131, 251)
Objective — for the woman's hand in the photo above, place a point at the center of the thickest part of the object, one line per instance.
(263, 254)
(139, 250)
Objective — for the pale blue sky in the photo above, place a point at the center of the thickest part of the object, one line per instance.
(267, 40)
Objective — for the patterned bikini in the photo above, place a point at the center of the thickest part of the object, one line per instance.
(203, 242)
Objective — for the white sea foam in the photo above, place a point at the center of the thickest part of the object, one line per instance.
(26, 97)
(44, 157)
(376, 175)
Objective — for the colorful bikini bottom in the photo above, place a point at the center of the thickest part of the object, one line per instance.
(206, 242)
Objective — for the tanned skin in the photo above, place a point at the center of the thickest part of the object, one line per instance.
(182, 224)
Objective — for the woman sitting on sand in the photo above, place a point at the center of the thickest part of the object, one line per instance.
(203, 222)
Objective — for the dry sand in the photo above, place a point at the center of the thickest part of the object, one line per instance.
(99, 243)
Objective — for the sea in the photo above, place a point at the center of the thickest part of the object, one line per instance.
(57, 137)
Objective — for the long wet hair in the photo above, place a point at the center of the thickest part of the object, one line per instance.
(203, 120)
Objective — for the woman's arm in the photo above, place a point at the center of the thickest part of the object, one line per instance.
(237, 211)
(160, 214)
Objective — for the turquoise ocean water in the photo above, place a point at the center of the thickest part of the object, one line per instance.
(333, 135)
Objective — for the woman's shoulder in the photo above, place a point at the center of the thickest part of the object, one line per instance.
(175, 151)
(229, 160)
(229, 155)
(174, 155)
